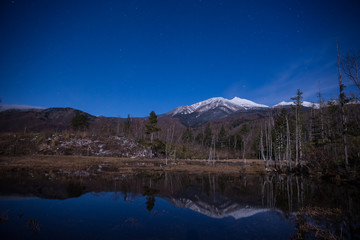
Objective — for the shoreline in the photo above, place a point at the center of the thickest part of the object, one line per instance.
(53, 166)
(90, 165)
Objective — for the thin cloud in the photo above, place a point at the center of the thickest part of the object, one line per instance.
(305, 74)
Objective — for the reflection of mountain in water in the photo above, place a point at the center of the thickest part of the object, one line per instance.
(226, 209)
(225, 197)
(215, 206)
(216, 196)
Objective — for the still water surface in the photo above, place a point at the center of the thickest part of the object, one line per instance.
(168, 206)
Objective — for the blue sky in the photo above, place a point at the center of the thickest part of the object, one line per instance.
(114, 58)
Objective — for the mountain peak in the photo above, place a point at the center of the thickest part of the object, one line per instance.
(213, 109)
(218, 107)
(304, 104)
(226, 105)
(211, 103)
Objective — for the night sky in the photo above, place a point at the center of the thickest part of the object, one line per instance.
(114, 58)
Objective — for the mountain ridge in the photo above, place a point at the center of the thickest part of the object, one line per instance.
(227, 105)
(20, 117)
(218, 107)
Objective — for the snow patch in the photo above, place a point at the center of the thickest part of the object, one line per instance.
(5, 107)
(247, 103)
(228, 106)
(304, 103)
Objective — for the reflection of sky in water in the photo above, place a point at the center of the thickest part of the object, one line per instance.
(110, 216)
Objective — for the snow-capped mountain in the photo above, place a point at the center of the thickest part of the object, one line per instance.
(213, 109)
(218, 107)
(304, 104)
(228, 106)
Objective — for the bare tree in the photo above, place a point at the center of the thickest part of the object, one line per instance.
(244, 140)
(261, 145)
(270, 125)
(212, 155)
(235, 141)
(118, 125)
(169, 141)
(342, 99)
(244, 133)
(351, 67)
(288, 146)
(279, 130)
(321, 103)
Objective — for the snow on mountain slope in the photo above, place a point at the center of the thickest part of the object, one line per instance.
(247, 103)
(213, 103)
(218, 107)
(186, 109)
(5, 107)
(222, 210)
(305, 104)
(225, 105)
(283, 103)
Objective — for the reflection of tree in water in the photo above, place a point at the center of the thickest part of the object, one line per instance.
(321, 210)
(214, 192)
(74, 189)
(282, 192)
(150, 199)
(150, 203)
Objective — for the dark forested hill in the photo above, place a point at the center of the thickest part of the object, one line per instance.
(34, 120)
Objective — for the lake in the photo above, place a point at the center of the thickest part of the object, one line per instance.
(177, 206)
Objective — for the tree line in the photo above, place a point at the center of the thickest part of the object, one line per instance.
(324, 137)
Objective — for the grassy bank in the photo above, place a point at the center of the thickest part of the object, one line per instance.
(88, 165)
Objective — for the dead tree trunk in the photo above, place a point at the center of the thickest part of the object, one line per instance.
(262, 145)
(321, 121)
(244, 149)
(342, 103)
(212, 155)
(169, 142)
(300, 148)
(296, 139)
(262, 149)
(288, 145)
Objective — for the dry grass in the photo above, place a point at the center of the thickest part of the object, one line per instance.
(110, 165)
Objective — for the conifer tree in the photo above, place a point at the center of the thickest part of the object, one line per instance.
(188, 135)
(80, 122)
(222, 137)
(207, 135)
(151, 127)
(200, 139)
(298, 104)
(342, 99)
(127, 124)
